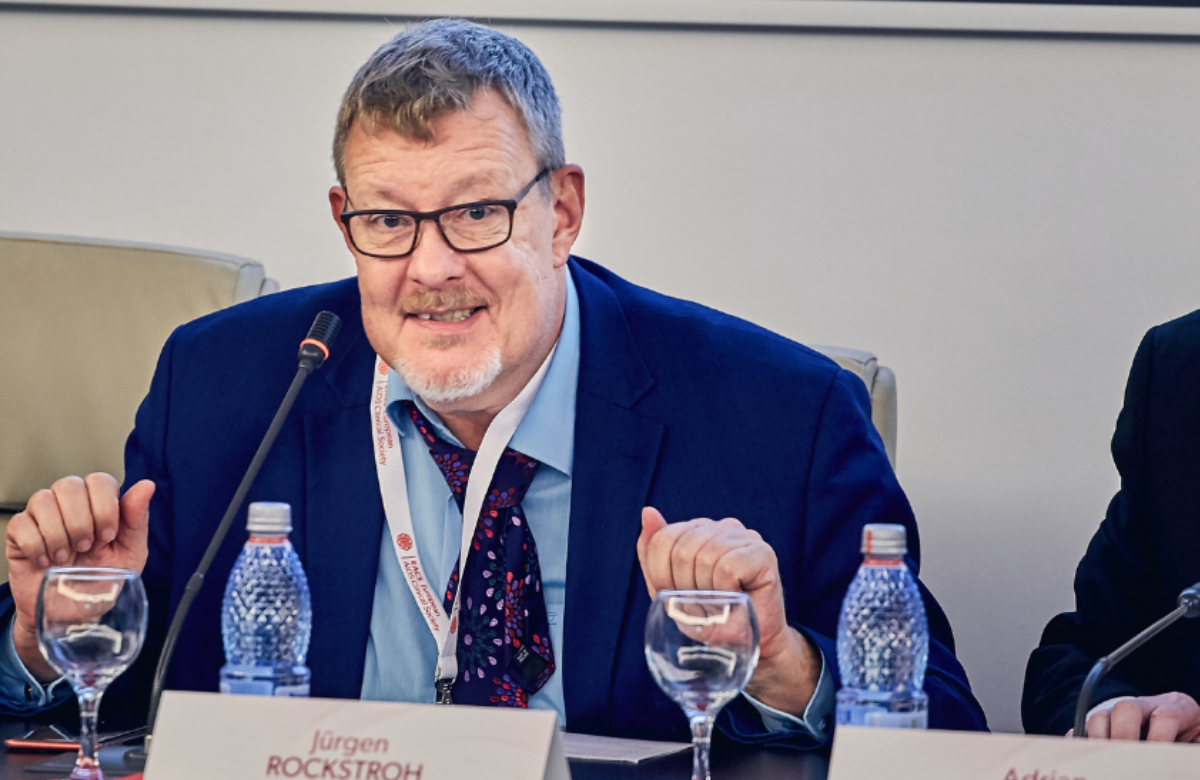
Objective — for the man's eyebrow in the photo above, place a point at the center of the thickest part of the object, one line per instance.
(462, 184)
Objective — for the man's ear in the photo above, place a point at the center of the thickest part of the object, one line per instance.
(568, 194)
(337, 204)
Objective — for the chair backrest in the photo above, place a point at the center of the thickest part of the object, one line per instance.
(881, 385)
(87, 319)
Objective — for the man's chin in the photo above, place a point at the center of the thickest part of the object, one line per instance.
(447, 385)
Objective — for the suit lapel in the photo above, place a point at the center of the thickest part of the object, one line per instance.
(615, 456)
(344, 523)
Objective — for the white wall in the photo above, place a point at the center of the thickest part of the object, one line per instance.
(999, 219)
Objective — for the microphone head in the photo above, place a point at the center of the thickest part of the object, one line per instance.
(1190, 598)
(316, 345)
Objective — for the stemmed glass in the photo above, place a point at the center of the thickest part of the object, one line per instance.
(702, 647)
(90, 626)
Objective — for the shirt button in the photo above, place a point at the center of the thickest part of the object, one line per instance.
(825, 725)
(28, 692)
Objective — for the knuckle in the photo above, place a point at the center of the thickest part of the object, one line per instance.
(99, 479)
(67, 483)
(41, 498)
(726, 569)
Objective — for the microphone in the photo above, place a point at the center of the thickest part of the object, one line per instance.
(314, 350)
(1189, 607)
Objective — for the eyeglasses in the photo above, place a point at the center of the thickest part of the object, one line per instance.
(467, 227)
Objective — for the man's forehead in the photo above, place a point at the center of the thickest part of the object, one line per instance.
(464, 153)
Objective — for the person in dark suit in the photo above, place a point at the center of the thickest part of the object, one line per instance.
(1145, 552)
(460, 210)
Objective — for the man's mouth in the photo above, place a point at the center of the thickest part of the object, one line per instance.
(450, 315)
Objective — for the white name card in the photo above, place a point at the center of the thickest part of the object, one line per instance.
(898, 754)
(200, 736)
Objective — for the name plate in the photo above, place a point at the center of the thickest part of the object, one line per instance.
(200, 736)
(897, 754)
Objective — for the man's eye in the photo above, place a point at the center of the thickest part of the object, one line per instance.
(479, 212)
(390, 220)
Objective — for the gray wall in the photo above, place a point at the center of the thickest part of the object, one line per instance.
(998, 218)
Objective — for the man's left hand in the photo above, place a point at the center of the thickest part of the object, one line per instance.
(725, 555)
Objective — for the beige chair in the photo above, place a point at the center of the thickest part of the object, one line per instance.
(881, 385)
(86, 319)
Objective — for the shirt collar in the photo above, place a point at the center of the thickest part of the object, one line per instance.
(547, 433)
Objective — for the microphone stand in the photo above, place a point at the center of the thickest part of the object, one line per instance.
(1189, 606)
(313, 352)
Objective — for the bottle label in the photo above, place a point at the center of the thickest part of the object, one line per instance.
(248, 687)
(292, 690)
(896, 720)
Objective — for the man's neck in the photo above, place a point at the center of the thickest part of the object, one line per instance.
(470, 418)
(469, 427)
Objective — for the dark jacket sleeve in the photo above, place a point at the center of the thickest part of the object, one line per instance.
(853, 484)
(1114, 584)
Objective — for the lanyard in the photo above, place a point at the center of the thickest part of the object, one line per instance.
(389, 467)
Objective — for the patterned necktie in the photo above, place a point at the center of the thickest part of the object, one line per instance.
(504, 651)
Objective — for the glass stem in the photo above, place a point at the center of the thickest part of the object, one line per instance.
(89, 704)
(701, 740)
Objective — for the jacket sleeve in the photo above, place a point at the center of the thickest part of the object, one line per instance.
(1112, 583)
(145, 458)
(850, 485)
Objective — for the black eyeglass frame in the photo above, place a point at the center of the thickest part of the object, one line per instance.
(435, 217)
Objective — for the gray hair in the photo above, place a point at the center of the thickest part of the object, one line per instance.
(437, 67)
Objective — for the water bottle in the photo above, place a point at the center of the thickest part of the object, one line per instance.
(266, 617)
(883, 638)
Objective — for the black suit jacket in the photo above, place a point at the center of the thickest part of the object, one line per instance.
(1146, 550)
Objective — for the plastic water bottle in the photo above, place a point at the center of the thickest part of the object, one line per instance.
(883, 638)
(266, 617)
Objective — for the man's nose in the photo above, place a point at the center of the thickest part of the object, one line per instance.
(433, 261)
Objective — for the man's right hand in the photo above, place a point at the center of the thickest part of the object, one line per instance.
(1171, 717)
(77, 522)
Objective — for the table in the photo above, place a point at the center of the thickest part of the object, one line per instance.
(727, 764)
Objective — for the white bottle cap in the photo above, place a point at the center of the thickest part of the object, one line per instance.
(269, 518)
(882, 539)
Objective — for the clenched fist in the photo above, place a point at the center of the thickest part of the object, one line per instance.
(77, 522)
(725, 555)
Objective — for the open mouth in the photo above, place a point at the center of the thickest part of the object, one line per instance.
(450, 315)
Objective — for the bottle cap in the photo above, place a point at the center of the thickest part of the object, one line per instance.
(885, 540)
(269, 518)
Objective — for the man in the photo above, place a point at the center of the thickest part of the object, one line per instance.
(1140, 559)
(456, 200)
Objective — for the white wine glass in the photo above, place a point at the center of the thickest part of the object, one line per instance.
(90, 626)
(702, 647)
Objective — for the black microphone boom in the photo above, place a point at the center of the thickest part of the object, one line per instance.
(1189, 606)
(314, 350)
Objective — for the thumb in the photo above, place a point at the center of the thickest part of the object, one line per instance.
(135, 515)
(652, 523)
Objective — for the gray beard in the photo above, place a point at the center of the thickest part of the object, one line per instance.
(452, 386)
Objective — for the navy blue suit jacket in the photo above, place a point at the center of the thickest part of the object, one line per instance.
(1144, 552)
(678, 406)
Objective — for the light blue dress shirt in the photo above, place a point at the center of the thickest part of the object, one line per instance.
(401, 652)
(547, 434)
